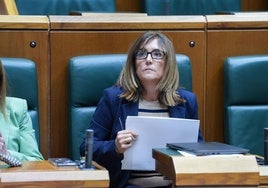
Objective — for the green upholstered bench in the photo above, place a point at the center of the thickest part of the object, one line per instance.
(63, 7)
(190, 7)
(88, 76)
(246, 101)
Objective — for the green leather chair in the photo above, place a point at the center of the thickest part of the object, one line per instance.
(63, 7)
(246, 101)
(88, 76)
(22, 82)
(190, 7)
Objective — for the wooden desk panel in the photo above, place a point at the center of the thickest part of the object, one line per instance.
(264, 175)
(44, 174)
(242, 21)
(65, 23)
(70, 37)
(208, 171)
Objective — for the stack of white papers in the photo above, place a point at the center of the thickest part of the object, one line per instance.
(156, 132)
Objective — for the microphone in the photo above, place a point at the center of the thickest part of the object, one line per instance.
(266, 146)
(89, 148)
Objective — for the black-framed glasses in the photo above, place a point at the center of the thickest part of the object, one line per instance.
(155, 54)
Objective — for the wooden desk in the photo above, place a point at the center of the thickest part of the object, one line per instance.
(263, 176)
(209, 171)
(44, 174)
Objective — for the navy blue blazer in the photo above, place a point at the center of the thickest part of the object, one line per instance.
(110, 117)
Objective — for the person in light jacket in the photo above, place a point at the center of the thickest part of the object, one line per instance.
(17, 136)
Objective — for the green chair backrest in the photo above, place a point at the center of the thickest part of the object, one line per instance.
(246, 101)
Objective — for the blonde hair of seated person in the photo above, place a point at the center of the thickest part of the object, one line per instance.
(2, 90)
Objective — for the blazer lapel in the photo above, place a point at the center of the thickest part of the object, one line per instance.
(177, 111)
(129, 109)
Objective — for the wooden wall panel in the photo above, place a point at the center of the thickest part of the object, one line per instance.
(128, 6)
(254, 5)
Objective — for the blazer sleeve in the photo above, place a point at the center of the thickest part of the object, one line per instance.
(105, 129)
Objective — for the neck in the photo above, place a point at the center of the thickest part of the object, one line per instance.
(150, 93)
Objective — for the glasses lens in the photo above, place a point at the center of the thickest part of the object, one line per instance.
(141, 54)
(157, 54)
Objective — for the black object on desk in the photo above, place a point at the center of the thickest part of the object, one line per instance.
(62, 162)
(208, 148)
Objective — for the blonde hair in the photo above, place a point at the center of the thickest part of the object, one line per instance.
(2, 90)
(168, 84)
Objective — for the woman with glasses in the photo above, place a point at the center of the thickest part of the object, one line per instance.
(147, 86)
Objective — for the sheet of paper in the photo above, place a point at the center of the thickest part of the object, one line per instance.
(155, 132)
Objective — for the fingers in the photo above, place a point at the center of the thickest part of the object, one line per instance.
(2, 146)
(125, 134)
(2, 141)
(124, 140)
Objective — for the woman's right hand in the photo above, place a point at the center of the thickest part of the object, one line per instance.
(124, 140)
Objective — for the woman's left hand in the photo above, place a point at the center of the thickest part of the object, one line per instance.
(3, 148)
(124, 140)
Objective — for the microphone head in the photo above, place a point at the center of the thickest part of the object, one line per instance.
(89, 147)
(89, 135)
(266, 133)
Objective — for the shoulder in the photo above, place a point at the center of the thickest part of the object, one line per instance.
(191, 104)
(185, 94)
(113, 92)
(110, 96)
(14, 104)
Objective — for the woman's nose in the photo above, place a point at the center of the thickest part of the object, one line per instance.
(149, 59)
